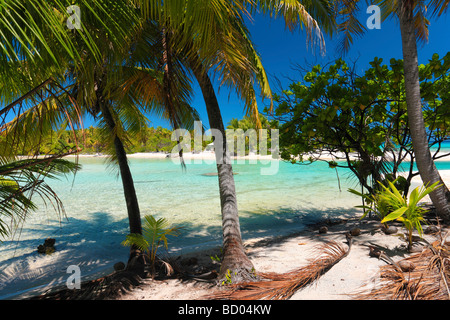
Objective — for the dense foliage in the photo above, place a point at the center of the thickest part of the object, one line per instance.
(336, 112)
(244, 131)
(91, 141)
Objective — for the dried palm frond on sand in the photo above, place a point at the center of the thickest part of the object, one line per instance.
(282, 286)
(429, 278)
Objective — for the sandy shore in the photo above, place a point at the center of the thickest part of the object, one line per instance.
(187, 156)
(209, 155)
(354, 274)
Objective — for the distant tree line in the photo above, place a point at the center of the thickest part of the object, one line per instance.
(91, 140)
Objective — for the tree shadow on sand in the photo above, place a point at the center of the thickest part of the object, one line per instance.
(93, 245)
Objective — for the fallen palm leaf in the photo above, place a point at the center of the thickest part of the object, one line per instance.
(282, 286)
(429, 280)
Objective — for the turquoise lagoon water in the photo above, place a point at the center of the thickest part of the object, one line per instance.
(96, 223)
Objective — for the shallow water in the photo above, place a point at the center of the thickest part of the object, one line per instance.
(96, 223)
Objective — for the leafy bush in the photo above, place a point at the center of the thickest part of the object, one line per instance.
(331, 110)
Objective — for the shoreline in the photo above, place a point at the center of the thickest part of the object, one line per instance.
(209, 155)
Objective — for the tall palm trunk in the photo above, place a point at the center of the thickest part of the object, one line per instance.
(425, 164)
(236, 266)
(134, 216)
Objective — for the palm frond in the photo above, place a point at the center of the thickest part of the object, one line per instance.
(37, 113)
(429, 278)
(282, 286)
(314, 15)
(349, 25)
(24, 179)
(439, 6)
(137, 240)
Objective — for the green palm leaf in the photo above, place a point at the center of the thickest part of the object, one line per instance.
(21, 180)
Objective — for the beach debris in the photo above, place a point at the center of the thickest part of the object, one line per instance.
(374, 252)
(389, 229)
(205, 277)
(48, 247)
(406, 265)
(355, 232)
(424, 276)
(431, 230)
(275, 286)
(118, 266)
(108, 287)
(323, 229)
(415, 248)
(190, 261)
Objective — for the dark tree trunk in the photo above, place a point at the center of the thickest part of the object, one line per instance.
(135, 261)
(236, 266)
(424, 160)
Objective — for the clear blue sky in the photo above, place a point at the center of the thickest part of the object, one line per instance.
(280, 50)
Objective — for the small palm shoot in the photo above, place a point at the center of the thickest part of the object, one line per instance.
(408, 212)
(155, 233)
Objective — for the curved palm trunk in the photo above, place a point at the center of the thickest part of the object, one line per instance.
(236, 266)
(134, 216)
(425, 164)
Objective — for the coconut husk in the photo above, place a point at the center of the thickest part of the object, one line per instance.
(428, 280)
(275, 286)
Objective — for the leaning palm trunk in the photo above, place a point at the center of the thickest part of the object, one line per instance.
(425, 164)
(127, 179)
(134, 216)
(283, 286)
(236, 266)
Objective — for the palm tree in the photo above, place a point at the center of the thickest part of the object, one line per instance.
(413, 27)
(425, 164)
(235, 263)
(224, 47)
(117, 92)
(201, 30)
(35, 45)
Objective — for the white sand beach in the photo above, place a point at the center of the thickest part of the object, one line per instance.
(356, 273)
(209, 155)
